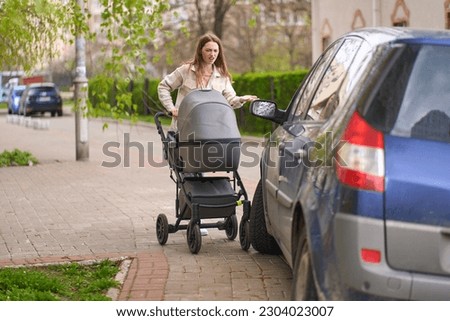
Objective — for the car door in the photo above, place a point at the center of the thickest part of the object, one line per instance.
(282, 160)
(305, 145)
(417, 156)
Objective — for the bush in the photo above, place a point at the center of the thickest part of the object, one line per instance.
(115, 98)
(17, 158)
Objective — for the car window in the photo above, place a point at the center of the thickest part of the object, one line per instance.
(425, 109)
(42, 90)
(300, 103)
(413, 99)
(328, 94)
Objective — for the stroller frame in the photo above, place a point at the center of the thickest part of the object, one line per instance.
(193, 210)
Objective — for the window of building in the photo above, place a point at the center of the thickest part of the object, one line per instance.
(400, 15)
(326, 34)
(400, 23)
(358, 20)
(447, 14)
(325, 42)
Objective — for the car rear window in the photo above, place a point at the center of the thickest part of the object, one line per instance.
(40, 90)
(414, 98)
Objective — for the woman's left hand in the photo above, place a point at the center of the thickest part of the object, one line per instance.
(247, 98)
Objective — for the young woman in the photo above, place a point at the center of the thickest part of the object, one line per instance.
(206, 70)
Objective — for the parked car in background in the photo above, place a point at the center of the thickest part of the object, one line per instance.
(41, 98)
(14, 98)
(355, 180)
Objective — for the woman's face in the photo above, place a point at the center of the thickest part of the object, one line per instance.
(210, 51)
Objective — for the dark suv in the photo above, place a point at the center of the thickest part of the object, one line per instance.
(355, 180)
(41, 98)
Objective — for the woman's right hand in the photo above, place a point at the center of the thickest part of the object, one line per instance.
(174, 112)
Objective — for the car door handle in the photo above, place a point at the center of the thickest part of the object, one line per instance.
(445, 231)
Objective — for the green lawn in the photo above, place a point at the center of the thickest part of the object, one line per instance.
(67, 282)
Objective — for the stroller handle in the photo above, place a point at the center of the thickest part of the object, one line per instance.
(159, 114)
(158, 123)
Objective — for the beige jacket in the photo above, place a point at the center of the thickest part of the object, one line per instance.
(183, 79)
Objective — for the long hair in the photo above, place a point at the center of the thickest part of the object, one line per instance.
(198, 62)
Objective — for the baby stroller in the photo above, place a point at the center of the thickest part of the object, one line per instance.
(207, 142)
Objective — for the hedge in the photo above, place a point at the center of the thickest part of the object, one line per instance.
(275, 86)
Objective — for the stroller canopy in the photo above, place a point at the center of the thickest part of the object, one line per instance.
(206, 115)
(208, 135)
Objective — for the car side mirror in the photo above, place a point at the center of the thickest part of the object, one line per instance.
(268, 110)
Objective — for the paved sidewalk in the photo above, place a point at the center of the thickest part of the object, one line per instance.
(63, 211)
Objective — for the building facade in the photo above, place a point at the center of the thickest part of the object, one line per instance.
(332, 18)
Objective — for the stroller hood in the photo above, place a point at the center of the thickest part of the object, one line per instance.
(208, 135)
(206, 114)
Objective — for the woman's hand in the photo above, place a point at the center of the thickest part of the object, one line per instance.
(247, 98)
(174, 112)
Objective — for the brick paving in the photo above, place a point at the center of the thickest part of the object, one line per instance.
(65, 211)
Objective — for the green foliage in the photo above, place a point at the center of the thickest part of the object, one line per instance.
(70, 282)
(129, 26)
(17, 158)
(277, 86)
(29, 30)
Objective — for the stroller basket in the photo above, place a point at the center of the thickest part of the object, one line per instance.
(215, 196)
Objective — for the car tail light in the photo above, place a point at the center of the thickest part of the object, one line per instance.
(361, 163)
(371, 255)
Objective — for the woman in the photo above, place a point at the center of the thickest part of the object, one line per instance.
(206, 70)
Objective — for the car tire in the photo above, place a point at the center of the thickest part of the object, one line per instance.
(260, 239)
(303, 286)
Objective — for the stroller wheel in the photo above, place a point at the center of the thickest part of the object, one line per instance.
(194, 238)
(162, 229)
(232, 227)
(244, 234)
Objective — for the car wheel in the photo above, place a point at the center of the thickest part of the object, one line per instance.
(9, 111)
(60, 113)
(303, 287)
(53, 113)
(260, 239)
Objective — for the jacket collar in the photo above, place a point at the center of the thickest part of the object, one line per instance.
(215, 73)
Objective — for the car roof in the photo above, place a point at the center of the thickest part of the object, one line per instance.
(383, 35)
(42, 84)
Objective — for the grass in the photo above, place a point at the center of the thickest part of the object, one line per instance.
(67, 282)
(17, 158)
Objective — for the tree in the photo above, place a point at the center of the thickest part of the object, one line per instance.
(29, 31)
(40, 26)
(288, 21)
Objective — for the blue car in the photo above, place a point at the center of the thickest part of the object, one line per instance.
(14, 99)
(355, 180)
